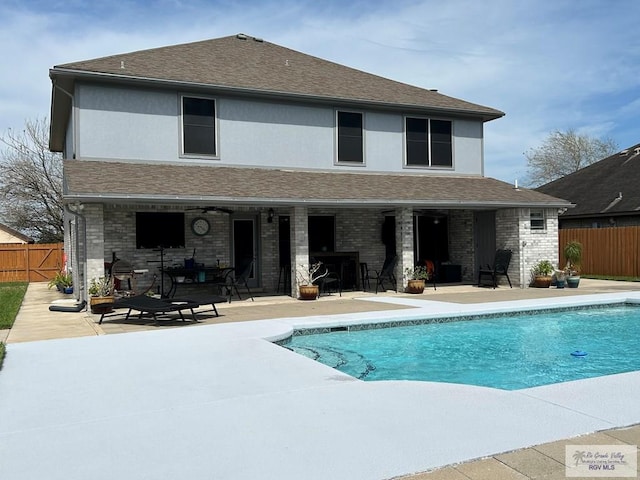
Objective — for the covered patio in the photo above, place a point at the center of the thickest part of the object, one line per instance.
(160, 216)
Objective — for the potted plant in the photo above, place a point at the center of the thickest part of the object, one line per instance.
(542, 272)
(306, 277)
(416, 278)
(63, 281)
(101, 291)
(573, 254)
(561, 278)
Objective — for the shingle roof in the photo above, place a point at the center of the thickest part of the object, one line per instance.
(200, 185)
(609, 186)
(15, 233)
(245, 64)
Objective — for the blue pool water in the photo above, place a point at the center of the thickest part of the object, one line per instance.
(510, 353)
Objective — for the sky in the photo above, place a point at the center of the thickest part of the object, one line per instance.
(548, 64)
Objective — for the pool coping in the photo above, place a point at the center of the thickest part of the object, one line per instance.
(258, 410)
(433, 309)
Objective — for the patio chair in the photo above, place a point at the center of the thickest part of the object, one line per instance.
(386, 273)
(431, 270)
(365, 277)
(329, 281)
(500, 266)
(238, 277)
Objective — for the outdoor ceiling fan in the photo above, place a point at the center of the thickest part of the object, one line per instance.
(212, 209)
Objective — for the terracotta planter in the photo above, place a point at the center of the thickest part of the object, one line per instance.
(415, 286)
(308, 292)
(542, 281)
(101, 305)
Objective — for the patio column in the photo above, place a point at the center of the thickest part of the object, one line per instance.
(404, 242)
(94, 215)
(300, 245)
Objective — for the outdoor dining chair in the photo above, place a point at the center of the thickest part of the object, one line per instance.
(500, 266)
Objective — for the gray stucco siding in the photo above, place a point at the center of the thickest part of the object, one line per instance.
(467, 147)
(137, 124)
(124, 123)
(267, 134)
(69, 140)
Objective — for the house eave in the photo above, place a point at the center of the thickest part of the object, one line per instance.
(73, 74)
(568, 216)
(187, 200)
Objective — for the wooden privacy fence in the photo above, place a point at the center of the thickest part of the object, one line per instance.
(605, 251)
(30, 262)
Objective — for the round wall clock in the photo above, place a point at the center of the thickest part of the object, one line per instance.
(200, 226)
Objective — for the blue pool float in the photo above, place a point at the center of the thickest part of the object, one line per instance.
(579, 353)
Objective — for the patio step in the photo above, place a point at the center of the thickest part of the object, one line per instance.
(351, 363)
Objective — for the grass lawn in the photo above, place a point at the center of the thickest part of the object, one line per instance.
(11, 295)
(612, 277)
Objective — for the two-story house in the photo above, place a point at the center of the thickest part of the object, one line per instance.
(237, 148)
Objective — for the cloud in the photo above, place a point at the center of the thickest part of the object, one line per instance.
(550, 65)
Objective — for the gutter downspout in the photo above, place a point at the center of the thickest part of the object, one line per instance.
(522, 265)
(79, 275)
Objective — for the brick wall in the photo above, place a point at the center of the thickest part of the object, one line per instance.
(112, 229)
(540, 244)
(513, 231)
(461, 243)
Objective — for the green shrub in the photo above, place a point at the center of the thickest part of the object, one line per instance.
(543, 267)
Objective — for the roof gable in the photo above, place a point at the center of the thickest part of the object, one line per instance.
(606, 187)
(11, 235)
(246, 64)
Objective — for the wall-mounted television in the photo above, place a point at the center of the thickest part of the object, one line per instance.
(159, 229)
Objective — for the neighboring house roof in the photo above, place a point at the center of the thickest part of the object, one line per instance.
(249, 66)
(605, 188)
(105, 181)
(9, 235)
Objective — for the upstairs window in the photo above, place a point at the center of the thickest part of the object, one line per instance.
(428, 142)
(198, 126)
(537, 219)
(350, 137)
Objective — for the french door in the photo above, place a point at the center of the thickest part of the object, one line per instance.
(244, 243)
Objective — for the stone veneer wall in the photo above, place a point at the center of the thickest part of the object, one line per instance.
(94, 231)
(299, 246)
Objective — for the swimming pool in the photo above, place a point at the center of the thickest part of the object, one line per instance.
(507, 352)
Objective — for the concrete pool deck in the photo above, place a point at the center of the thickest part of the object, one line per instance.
(219, 401)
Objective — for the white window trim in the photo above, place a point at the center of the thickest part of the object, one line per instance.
(216, 127)
(405, 160)
(544, 220)
(336, 160)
